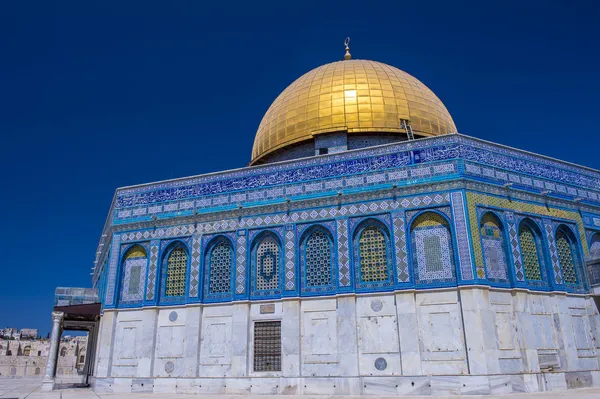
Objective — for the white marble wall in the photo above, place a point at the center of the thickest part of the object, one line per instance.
(467, 341)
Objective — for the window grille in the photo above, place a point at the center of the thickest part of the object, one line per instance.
(176, 272)
(373, 255)
(529, 252)
(267, 346)
(221, 258)
(318, 260)
(567, 258)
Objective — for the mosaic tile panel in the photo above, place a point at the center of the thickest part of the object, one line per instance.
(240, 271)
(401, 249)
(151, 287)
(343, 253)
(567, 258)
(290, 255)
(553, 254)
(530, 254)
(495, 259)
(462, 239)
(112, 270)
(515, 248)
(494, 248)
(392, 156)
(317, 259)
(134, 279)
(220, 262)
(195, 266)
(176, 272)
(432, 249)
(474, 199)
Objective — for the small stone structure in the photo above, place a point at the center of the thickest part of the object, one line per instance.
(27, 358)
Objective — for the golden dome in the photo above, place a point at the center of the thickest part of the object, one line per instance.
(356, 96)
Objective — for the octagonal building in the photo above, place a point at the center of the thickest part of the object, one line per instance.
(368, 249)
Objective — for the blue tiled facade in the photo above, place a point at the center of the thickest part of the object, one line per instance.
(262, 217)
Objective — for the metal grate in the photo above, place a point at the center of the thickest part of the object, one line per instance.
(267, 346)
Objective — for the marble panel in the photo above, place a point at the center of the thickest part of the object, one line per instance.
(554, 381)
(581, 379)
(264, 386)
(142, 385)
(211, 386)
(187, 386)
(500, 384)
(290, 386)
(445, 385)
(319, 386)
(414, 386)
(380, 386)
(238, 386)
(474, 385)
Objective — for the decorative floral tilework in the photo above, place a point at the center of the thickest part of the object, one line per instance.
(150, 288)
(240, 279)
(112, 270)
(195, 266)
(462, 239)
(290, 256)
(476, 198)
(343, 253)
(553, 253)
(400, 246)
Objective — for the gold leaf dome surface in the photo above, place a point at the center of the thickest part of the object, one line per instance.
(356, 96)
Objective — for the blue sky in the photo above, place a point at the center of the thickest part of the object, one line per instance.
(98, 95)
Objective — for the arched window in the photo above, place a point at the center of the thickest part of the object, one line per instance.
(494, 248)
(27, 351)
(595, 246)
(176, 272)
(432, 248)
(267, 259)
(567, 254)
(529, 239)
(63, 351)
(37, 371)
(317, 259)
(134, 275)
(373, 254)
(220, 264)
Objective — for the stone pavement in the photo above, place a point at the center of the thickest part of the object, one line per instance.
(30, 389)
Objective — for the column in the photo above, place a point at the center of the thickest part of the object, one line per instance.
(48, 382)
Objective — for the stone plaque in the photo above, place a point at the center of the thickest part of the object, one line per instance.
(270, 308)
(380, 364)
(173, 316)
(169, 367)
(376, 305)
